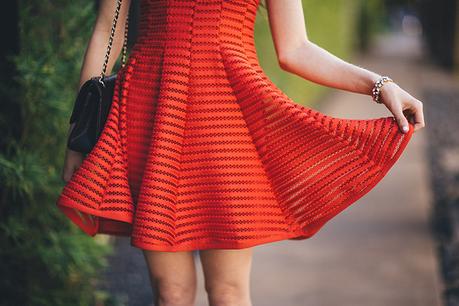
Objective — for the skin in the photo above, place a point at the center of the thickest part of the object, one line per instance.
(298, 55)
(227, 272)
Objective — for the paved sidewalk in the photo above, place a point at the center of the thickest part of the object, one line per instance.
(379, 251)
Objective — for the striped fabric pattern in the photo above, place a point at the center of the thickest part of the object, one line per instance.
(202, 150)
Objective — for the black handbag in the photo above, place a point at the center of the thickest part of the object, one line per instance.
(94, 99)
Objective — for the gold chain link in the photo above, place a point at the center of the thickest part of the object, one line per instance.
(110, 41)
(125, 42)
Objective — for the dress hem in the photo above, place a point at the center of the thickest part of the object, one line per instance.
(67, 206)
(309, 230)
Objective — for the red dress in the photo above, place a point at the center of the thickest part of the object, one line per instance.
(201, 150)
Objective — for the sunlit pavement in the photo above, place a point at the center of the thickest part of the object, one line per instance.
(380, 250)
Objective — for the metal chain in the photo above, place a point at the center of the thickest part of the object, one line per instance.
(110, 41)
(125, 42)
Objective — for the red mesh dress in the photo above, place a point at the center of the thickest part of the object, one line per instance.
(201, 150)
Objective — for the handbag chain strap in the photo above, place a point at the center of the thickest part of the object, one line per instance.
(110, 41)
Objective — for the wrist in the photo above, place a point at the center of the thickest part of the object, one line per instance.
(373, 78)
(377, 88)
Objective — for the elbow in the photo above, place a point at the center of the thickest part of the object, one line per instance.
(282, 60)
(287, 57)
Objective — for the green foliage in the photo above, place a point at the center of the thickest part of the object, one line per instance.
(331, 24)
(46, 260)
(371, 19)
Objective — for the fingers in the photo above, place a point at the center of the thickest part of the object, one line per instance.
(402, 121)
(72, 162)
(66, 175)
(408, 110)
(414, 113)
(405, 108)
(418, 115)
(68, 172)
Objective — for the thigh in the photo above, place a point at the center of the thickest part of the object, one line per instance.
(169, 270)
(226, 268)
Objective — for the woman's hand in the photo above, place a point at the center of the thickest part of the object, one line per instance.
(72, 160)
(403, 106)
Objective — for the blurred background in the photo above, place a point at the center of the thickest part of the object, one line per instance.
(398, 246)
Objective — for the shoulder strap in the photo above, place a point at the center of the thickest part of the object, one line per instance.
(110, 41)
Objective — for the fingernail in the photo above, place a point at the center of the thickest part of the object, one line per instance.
(405, 128)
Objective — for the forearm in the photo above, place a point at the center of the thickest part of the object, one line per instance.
(320, 66)
(95, 53)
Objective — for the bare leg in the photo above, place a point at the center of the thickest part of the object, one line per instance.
(227, 276)
(173, 277)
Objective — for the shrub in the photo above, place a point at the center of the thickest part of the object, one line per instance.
(45, 260)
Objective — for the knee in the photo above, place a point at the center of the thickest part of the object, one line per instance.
(228, 294)
(175, 294)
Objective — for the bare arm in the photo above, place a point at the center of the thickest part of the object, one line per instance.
(298, 55)
(93, 62)
(97, 46)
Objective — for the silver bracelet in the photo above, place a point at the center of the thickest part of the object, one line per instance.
(377, 88)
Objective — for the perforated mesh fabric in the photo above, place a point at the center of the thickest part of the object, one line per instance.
(201, 150)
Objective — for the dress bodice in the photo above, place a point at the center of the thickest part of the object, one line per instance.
(183, 23)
